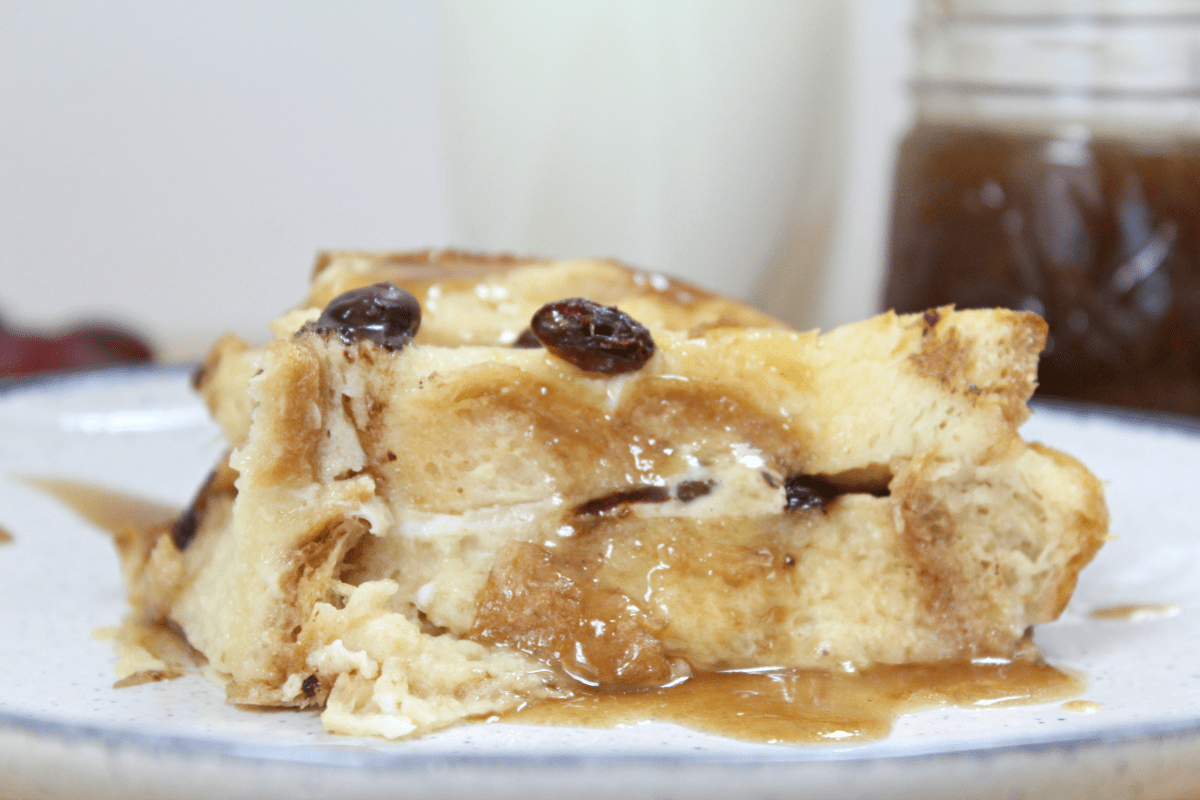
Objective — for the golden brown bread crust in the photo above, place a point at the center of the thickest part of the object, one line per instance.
(1008, 357)
(1087, 525)
(512, 288)
(443, 262)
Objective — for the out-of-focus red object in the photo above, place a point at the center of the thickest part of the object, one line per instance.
(95, 345)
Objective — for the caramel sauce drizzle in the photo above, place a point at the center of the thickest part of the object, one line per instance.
(1136, 612)
(109, 510)
(119, 514)
(1082, 707)
(811, 706)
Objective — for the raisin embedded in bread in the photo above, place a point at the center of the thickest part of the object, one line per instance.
(417, 530)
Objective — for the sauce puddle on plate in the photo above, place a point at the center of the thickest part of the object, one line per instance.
(808, 706)
(147, 651)
(1136, 612)
(113, 511)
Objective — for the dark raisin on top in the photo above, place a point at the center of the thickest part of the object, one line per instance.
(805, 492)
(382, 313)
(593, 337)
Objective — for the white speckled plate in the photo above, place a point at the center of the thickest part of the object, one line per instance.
(65, 732)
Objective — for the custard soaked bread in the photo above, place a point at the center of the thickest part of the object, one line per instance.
(489, 486)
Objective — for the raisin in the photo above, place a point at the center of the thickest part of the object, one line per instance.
(382, 313)
(311, 685)
(642, 494)
(527, 340)
(593, 337)
(197, 376)
(690, 490)
(806, 492)
(183, 529)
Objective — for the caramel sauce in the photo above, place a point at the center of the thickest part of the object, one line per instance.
(1082, 706)
(1099, 236)
(553, 606)
(1136, 612)
(550, 606)
(107, 509)
(118, 513)
(811, 706)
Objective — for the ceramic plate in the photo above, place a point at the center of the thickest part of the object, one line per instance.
(65, 732)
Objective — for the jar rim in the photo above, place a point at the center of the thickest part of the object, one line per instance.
(1098, 19)
(927, 86)
(1127, 60)
(1049, 12)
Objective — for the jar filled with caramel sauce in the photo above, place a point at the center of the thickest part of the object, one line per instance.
(1054, 166)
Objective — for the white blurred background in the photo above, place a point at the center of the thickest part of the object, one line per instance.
(176, 166)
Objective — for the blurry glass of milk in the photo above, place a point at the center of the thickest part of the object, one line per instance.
(683, 136)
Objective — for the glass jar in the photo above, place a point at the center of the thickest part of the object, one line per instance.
(1054, 166)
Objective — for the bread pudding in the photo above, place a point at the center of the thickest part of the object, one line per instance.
(460, 485)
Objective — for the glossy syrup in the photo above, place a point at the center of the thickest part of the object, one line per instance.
(109, 510)
(812, 706)
(1101, 236)
(1082, 707)
(119, 514)
(1136, 612)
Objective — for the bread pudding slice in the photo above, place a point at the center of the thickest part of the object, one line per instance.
(458, 485)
